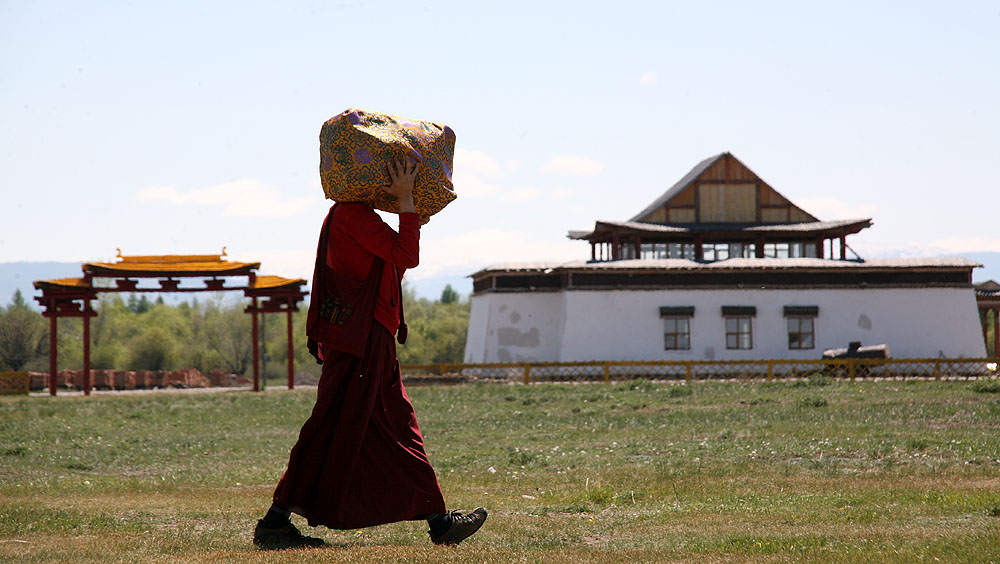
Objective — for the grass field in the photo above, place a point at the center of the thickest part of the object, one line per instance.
(810, 471)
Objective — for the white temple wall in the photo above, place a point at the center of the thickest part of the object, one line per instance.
(515, 327)
(626, 324)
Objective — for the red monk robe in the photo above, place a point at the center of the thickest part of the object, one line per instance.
(360, 459)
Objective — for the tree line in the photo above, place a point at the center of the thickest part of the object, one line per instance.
(135, 333)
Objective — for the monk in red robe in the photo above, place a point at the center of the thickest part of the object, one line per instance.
(359, 460)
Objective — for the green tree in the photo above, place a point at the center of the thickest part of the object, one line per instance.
(22, 333)
(138, 305)
(449, 295)
(153, 350)
(437, 330)
(228, 333)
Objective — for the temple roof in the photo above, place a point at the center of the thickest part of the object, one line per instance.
(681, 184)
(988, 293)
(273, 282)
(830, 228)
(62, 283)
(169, 265)
(721, 198)
(696, 174)
(732, 264)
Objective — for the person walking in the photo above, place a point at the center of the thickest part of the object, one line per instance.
(360, 460)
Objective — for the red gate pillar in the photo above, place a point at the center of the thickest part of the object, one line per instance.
(984, 315)
(996, 333)
(291, 354)
(53, 347)
(256, 353)
(86, 351)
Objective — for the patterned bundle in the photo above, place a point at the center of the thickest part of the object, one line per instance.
(356, 146)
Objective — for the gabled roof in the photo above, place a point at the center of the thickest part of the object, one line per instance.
(695, 174)
(681, 184)
(988, 287)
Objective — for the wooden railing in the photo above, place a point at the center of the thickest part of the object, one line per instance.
(773, 369)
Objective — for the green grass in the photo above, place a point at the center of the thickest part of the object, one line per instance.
(811, 471)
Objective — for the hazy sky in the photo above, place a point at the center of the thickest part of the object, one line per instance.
(184, 127)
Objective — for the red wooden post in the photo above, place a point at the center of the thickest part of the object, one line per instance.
(593, 251)
(256, 352)
(53, 342)
(984, 316)
(996, 333)
(699, 251)
(291, 354)
(843, 247)
(86, 349)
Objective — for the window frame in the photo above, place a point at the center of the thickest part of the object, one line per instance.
(676, 314)
(800, 314)
(738, 318)
(796, 343)
(677, 333)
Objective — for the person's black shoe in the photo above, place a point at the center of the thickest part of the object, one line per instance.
(462, 527)
(285, 536)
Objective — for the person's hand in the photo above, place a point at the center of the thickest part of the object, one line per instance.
(402, 174)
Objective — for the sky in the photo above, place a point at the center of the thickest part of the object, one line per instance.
(186, 127)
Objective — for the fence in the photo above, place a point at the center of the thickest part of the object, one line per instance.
(750, 370)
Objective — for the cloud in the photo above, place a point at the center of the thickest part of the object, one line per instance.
(470, 169)
(476, 175)
(966, 245)
(573, 166)
(241, 198)
(520, 194)
(289, 263)
(471, 186)
(650, 77)
(476, 162)
(832, 208)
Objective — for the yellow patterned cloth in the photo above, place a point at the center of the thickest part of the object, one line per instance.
(356, 146)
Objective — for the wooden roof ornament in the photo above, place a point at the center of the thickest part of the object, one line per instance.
(72, 297)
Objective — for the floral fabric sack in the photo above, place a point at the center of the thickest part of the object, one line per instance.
(356, 146)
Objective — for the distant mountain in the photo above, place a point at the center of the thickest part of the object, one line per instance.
(20, 276)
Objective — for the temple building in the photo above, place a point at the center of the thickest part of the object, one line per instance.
(721, 267)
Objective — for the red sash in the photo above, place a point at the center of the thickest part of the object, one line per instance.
(341, 311)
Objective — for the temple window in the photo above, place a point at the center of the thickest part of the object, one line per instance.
(677, 327)
(668, 250)
(790, 250)
(801, 321)
(739, 326)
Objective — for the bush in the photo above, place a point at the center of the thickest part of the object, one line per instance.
(153, 350)
(985, 386)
